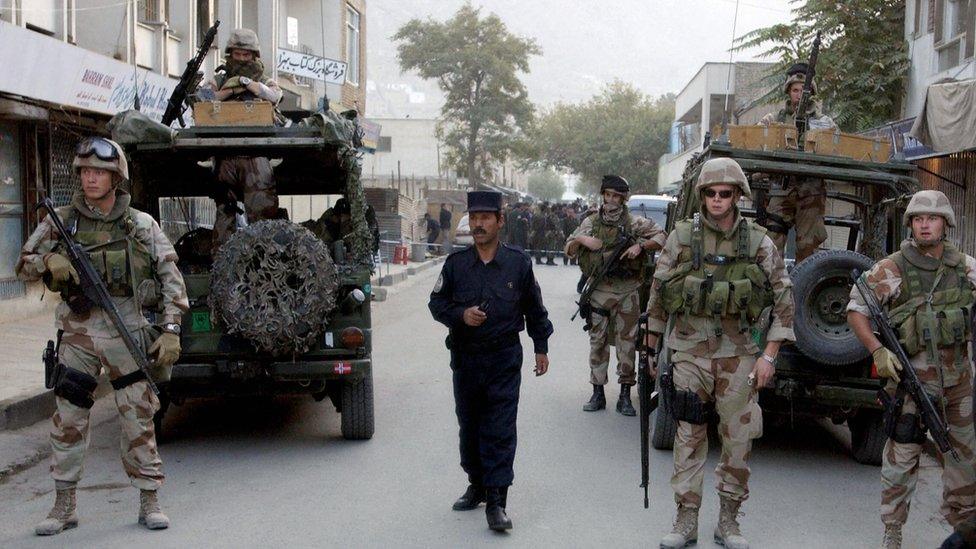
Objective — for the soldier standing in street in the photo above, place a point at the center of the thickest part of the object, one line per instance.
(138, 264)
(732, 271)
(486, 295)
(537, 236)
(243, 178)
(570, 222)
(927, 287)
(799, 203)
(615, 298)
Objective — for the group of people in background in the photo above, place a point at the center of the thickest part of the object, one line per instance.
(541, 229)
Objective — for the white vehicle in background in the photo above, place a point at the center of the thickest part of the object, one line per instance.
(651, 206)
(462, 234)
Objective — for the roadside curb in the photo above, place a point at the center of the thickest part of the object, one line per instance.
(27, 409)
(381, 284)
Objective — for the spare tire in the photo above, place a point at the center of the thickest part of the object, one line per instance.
(821, 290)
(274, 283)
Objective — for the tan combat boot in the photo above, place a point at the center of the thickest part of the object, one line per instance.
(892, 537)
(685, 530)
(727, 532)
(150, 515)
(62, 516)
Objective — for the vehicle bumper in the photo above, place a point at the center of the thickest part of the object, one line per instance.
(238, 376)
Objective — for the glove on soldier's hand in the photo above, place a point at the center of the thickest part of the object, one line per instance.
(886, 363)
(60, 268)
(166, 348)
(234, 82)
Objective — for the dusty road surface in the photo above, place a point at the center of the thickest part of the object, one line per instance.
(274, 473)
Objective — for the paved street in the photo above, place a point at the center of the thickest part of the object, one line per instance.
(278, 473)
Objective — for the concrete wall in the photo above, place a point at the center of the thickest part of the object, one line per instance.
(413, 143)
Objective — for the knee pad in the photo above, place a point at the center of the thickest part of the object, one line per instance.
(688, 406)
(76, 387)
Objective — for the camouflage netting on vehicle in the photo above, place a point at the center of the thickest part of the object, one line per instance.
(274, 283)
(343, 131)
(132, 127)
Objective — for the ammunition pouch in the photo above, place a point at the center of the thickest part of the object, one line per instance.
(899, 427)
(75, 386)
(688, 406)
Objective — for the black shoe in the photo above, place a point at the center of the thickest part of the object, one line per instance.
(598, 401)
(624, 405)
(470, 499)
(495, 510)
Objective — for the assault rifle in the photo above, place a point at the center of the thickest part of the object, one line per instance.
(800, 118)
(624, 241)
(93, 288)
(930, 416)
(648, 399)
(189, 81)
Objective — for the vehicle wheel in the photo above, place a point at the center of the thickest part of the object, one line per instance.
(357, 409)
(821, 289)
(867, 437)
(662, 434)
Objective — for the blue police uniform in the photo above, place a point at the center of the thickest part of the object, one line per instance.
(486, 360)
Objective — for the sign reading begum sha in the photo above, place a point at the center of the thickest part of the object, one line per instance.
(311, 66)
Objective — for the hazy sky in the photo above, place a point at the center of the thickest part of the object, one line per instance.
(657, 45)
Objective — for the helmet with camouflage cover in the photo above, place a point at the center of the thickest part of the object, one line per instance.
(929, 202)
(722, 171)
(243, 39)
(99, 152)
(797, 73)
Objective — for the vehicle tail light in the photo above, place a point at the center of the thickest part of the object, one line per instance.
(352, 338)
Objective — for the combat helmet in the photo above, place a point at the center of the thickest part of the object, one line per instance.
(99, 152)
(929, 202)
(718, 171)
(798, 77)
(615, 183)
(243, 39)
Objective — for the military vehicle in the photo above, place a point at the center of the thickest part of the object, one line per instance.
(278, 309)
(827, 373)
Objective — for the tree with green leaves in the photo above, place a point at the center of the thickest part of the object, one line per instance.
(476, 62)
(622, 131)
(863, 63)
(546, 185)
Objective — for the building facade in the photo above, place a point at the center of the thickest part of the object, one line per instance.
(941, 36)
(718, 92)
(69, 65)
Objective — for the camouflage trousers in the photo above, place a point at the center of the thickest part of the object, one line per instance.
(801, 206)
(899, 462)
(136, 404)
(724, 381)
(624, 310)
(251, 181)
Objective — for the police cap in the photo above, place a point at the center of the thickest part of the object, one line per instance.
(484, 201)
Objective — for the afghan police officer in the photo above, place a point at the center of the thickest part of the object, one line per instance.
(797, 202)
(138, 265)
(616, 297)
(927, 287)
(486, 295)
(248, 179)
(715, 276)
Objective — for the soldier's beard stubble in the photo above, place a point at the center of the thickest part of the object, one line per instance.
(252, 69)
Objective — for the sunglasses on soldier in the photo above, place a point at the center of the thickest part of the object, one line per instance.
(710, 193)
(98, 146)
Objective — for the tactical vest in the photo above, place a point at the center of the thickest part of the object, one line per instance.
(723, 285)
(592, 261)
(932, 310)
(122, 261)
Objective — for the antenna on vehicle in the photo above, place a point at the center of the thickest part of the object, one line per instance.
(325, 85)
(728, 77)
(135, 79)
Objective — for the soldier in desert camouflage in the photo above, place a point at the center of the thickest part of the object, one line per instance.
(138, 265)
(715, 276)
(616, 297)
(928, 288)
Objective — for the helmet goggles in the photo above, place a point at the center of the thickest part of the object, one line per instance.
(98, 146)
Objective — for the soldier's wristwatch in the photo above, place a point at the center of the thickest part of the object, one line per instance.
(245, 80)
(171, 327)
